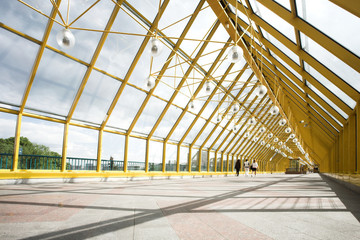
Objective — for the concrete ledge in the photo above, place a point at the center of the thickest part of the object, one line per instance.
(346, 184)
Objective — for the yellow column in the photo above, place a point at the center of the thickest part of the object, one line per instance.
(208, 160)
(17, 143)
(352, 144)
(200, 157)
(64, 147)
(147, 155)
(178, 158)
(222, 162)
(126, 152)
(164, 158)
(358, 138)
(189, 160)
(98, 166)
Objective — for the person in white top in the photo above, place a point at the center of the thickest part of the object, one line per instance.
(254, 167)
(246, 167)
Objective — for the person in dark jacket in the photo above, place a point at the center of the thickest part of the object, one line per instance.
(237, 167)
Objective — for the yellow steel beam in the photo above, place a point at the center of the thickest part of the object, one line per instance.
(126, 148)
(17, 143)
(215, 161)
(233, 116)
(93, 59)
(186, 75)
(358, 137)
(147, 155)
(163, 69)
(351, 92)
(208, 160)
(64, 147)
(323, 40)
(349, 5)
(99, 151)
(197, 92)
(352, 144)
(199, 160)
(178, 158)
(132, 66)
(189, 159)
(164, 158)
(38, 58)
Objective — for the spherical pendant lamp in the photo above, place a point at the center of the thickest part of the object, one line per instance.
(282, 122)
(235, 54)
(261, 91)
(149, 83)
(207, 87)
(270, 135)
(252, 121)
(262, 129)
(155, 47)
(288, 130)
(65, 39)
(274, 110)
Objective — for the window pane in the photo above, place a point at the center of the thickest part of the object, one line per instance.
(183, 126)
(167, 122)
(212, 161)
(195, 160)
(96, 98)
(184, 159)
(333, 63)
(17, 58)
(204, 160)
(136, 154)
(326, 111)
(274, 20)
(56, 84)
(204, 134)
(341, 28)
(155, 156)
(113, 146)
(171, 153)
(195, 130)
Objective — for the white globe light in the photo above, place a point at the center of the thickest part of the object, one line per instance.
(276, 150)
(207, 87)
(270, 135)
(298, 144)
(155, 47)
(218, 118)
(272, 148)
(235, 54)
(282, 122)
(274, 110)
(252, 120)
(149, 83)
(262, 129)
(292, 135)
(267, 145)
(255, 139)
(65, 39)
(295, 140)
(235, 107)
(288, 130)
(192, 105)
(235, 128)
(276, 139)
(247, 134)
(280, 143)
(262, 142)
(261, 91)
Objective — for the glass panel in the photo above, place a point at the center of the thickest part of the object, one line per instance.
(183, 126)
(142, 69)
(184, 159)
(284, 3)
(171, 153)
(195, 130)
(218, 163)
(327, 100)
(86, 41)
(224, 162)
(232, 134)
(333, 63)
(126, 108)
(147, 8)
(119, 50)
(222, 137)
(213, 136)
(96, 98)
(136, 154)
(8, 125)
(323, 118)
(204, 134)
(112, 152)
(286, 65)
(280, 46)
(345, 23)
(175, 11)
(56, 83)
(204, 160)
(195, 160)
(274, 20)
(326, 111)
(16, 61)
(167, 122)
(212, 161)
(82, 143)
(150, 115)
(22, 18)
(155, 156)
(329, 85)
(198, 30)
(290, 80)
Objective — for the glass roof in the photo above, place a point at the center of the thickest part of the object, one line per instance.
(132, 73)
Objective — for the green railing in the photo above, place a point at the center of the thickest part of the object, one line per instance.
(112, 165)
(6, 160)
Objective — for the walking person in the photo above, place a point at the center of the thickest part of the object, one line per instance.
(246, 167)
(254, 167)
(237, 167)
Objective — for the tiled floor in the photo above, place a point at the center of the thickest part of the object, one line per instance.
(262, 207)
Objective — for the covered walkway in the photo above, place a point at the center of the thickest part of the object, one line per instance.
(269, 206)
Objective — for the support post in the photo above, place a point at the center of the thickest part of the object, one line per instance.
(17, 143)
